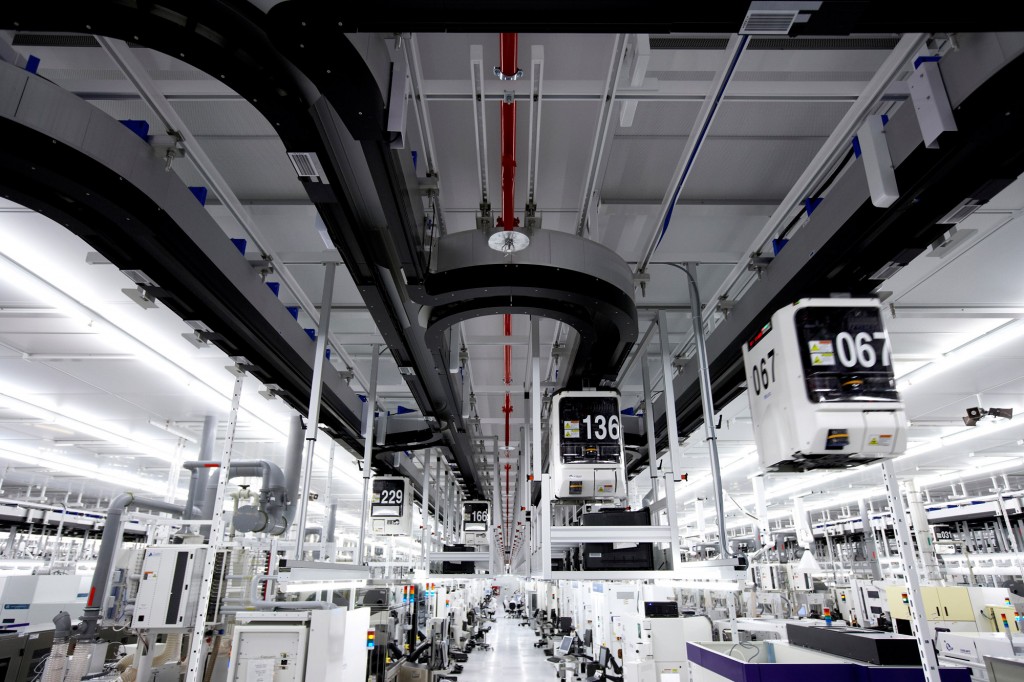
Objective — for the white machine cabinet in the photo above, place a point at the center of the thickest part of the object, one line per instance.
(587, 459)
(169, 587)
(390, 506)
(821, 387)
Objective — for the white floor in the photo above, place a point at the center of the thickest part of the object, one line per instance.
(513, 658)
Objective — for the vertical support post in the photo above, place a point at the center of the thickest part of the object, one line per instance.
(919, 519)
(425, 509)
(702, 529)
(652, 441)
(194, 671)
(673, 521)
(918, 620)
(536, 398)
(326, 541)
(369, 422)
(869, 541)
(761, 507)
(668, 394)
(313, 416)
(545, 525)
(706, 399)
(439, 484)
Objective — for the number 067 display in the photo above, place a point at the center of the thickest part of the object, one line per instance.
(821, 387)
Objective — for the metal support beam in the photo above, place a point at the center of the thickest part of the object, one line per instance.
(425, 509)
(870, 546)
(536, 399)
(313, 414)
(197, 641)
(368, 425)
(652, 441)
(918, 619)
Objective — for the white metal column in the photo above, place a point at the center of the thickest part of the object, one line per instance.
(369, 422)
(313, 415)
(918, 620)
(197, 642)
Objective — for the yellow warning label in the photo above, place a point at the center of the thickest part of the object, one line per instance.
(823, 359)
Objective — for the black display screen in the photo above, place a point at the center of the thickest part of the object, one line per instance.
(388, 497)
(590, 429)
(845, 355)
(475, 516)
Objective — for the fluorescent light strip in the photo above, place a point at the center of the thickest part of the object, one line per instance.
(82, 424)
(34, 285)
(971, 350)
(91, 471)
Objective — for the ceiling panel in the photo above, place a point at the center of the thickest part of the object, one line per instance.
(776, 119)
(256, 169)
(640, 168)
(754, 169)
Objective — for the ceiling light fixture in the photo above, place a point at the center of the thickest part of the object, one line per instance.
(973, 349)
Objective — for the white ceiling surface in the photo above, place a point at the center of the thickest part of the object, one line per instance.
(776, 112)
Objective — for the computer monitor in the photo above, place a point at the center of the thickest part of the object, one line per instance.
(588, 637)
(565, 625)
(602, 658)
(566, 646)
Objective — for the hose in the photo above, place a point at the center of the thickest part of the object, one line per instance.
(56, 663)
(79, 664)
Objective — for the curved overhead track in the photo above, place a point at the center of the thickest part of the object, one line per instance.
(568, 278)
(365, 202)
(83, 169)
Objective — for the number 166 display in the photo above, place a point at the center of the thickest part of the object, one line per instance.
(821, 387)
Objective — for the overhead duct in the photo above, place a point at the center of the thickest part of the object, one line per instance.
(567, 278)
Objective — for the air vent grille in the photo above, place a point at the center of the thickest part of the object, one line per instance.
(54, 40)
(839, 43)
(768, 22)
(687, 43)
(961, 212)
(306, 164)
(138, 277)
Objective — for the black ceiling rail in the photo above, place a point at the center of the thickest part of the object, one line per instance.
(847, 240)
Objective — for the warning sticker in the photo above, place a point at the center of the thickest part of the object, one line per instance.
(571, 428)
(822, 359)
(824, 346)
(880, 440)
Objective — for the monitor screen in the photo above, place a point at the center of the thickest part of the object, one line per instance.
(602, 657)
(566, 645)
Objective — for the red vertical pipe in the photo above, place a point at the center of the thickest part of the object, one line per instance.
(509, 48)
(509, 56)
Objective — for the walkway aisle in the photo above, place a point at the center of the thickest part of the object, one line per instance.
(514, 659)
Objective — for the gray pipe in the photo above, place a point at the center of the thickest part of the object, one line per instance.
(293, 465)
(206, 447)
(707, 403)
(62, 626)
(292, 605)
(109, 543)
(270, 516)
(330, 523)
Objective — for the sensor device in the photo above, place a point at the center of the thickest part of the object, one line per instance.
(821, 387)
